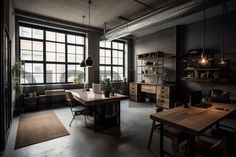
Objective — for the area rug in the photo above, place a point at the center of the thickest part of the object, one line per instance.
(38, 128)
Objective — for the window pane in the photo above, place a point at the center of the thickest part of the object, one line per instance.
(51, 68)
(51, 78)
(71, 49)
(26, 45)
(79, 50)
(108, 44)
(50, 46)
(120, 54)
(71, 68)
(115, 61)
(102, 52)
(28, 78)
(37, 78)
(114, 45)
(120, 46)
(37, 68)
(79, 40)
(79, 58)
(37, 56)
(71, 39)
(38, 46)
(102, 60)
(60, 68)
(28, 68)
(120, 61)
(50, 36)
(37, 34)
(61, 48)
(108, 60)
(50, 56)
(25, 32)
(102, 43)
(60, 77)
(26, 55)
(108, 53)
(71, 58)
(115, 53)
(60, 37)
(61, 57)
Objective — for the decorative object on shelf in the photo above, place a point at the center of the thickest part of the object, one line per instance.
(106, 87)
(224, 9)
(203, 59)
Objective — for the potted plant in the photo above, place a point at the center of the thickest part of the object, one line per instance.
(106, 87)
(16, 77)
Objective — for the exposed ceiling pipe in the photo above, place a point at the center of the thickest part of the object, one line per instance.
(157, 17)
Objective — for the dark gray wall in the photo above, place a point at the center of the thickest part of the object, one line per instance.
(190, 37)
(164, 41)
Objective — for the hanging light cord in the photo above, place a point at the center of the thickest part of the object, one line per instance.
(204, 27)
(224, 9)
(89, 39)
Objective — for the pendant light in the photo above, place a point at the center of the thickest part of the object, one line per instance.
(203, 59)
(82, 64)
(222, 59)
(89, 61)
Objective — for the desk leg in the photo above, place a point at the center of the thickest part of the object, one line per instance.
(191, 146)
(161, 140)
(95, 118)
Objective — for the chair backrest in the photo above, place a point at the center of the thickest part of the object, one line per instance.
(70, 99)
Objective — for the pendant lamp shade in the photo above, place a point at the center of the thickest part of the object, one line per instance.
(89, 62)
(82, 64)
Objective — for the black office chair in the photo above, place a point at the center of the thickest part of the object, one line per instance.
(76, 109)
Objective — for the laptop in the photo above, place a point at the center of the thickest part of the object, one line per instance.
(196, 100)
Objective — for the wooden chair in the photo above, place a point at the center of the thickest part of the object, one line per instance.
(176, 136)
(76, 109)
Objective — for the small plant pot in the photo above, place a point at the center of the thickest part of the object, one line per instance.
(107, 94)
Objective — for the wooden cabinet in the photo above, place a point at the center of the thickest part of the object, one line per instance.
(148, 89)
(164, 93)
(134, 90)
(165, 96)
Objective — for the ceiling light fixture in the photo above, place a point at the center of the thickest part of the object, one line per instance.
(224, 9)
(89, 61)
(82, 64)
(203, 59)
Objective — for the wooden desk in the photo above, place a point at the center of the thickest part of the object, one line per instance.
(100, 104)
(193, 120)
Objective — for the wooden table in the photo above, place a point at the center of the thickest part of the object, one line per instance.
(100, 104)
(193, 120)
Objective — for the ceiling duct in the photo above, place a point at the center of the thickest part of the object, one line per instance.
(157, 17)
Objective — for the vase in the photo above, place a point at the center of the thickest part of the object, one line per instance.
(107, 94)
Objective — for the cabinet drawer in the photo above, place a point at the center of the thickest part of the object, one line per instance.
(148, 89)
(133, 97)
(131, 88)
(133, 85)
(163, 96)
(133, 93)
(163, 103)
(163, 90)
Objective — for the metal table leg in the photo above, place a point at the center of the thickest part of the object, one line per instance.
(161, 140)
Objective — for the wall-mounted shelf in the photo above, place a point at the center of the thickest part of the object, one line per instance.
(191, 70)
(203, 80)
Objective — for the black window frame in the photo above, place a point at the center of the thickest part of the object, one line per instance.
(44, 62)
(113, 65)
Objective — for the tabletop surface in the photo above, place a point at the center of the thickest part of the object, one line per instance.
(90, 98)
(194, 120)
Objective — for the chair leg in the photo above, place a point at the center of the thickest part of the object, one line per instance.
(85, 120)
(72, 120)
(151, 134)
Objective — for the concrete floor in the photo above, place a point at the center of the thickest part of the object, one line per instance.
(130, 139)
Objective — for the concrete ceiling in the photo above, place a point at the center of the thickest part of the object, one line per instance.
(101, 10)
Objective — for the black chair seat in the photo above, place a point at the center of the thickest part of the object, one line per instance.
(78, 109)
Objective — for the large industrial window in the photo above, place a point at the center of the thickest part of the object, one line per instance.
(50, 56)
(112, 60)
